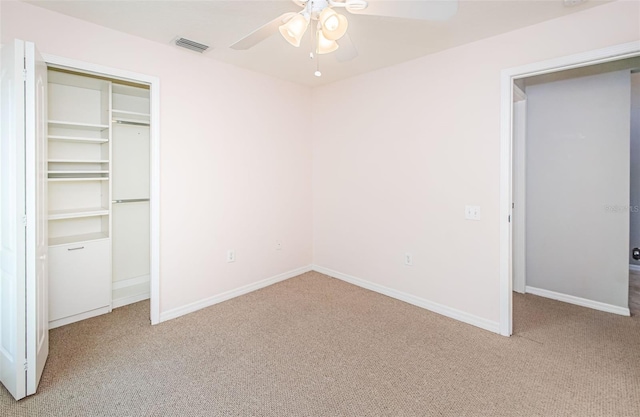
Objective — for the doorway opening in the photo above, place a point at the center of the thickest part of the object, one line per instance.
(509, 234)
(111, 166)
(572, 185)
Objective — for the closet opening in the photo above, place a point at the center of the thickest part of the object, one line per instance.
(99, 194)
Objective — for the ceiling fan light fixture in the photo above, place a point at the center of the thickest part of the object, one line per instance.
(294, 29)
(334, 25)
(325, 45)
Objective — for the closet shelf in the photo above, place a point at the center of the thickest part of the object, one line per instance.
(76, 125)
(79, 179)
(130, 113)
(77, 139)
(85, 171)
(77, 213)
(79, 161)
(55, 241)
(135, 122)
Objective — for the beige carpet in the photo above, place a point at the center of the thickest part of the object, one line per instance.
(315, 346)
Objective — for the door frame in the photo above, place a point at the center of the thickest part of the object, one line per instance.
(507, 78)
(154, 85)
(518, 236)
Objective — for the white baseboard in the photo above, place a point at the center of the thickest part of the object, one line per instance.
(121, 302)
(635, 268)
(596, 305)
(77, 317)
(492, 326)
(207, 302)
(123, 283)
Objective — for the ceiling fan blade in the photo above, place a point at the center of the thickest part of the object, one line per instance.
(262, 33)
(409, 9)
(347, 50)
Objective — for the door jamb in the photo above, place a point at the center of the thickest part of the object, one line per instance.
(507, 77)
(518, 229)
(154, 85)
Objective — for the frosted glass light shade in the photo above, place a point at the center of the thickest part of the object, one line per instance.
(325, 45)
(294, 29)
(334, 25)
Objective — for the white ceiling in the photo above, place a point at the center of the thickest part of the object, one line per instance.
(380, 41)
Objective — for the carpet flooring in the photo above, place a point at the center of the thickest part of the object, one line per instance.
(316, 346)
(634, 293)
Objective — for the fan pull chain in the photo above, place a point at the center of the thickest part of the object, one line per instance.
(317, 47)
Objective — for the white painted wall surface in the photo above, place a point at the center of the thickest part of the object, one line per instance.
(634, 239)
(577, 174)
(405, 149)
(236, 171)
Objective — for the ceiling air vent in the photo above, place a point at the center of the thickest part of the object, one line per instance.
(189, 44)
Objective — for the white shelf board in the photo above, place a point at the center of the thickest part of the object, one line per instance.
(85, 171)
(76, 213)
(77, 125)
(80, 179)
(55, 241)
(130, 113)
(138, 122)
(77, 139)
(79, 161)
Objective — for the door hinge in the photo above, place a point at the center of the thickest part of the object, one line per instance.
(26, 366)
(24, 74)
(24, 221)
(509, 218)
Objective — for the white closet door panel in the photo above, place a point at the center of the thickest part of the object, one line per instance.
(131, 244)
(131, 154)
(79, 278)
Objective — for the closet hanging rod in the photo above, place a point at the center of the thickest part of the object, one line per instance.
(130, 200)
(127, 122)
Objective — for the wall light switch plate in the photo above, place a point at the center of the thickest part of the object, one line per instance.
(231, 256)
(408, 259)
(472, 212)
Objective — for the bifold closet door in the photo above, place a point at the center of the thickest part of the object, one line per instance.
(131, 217)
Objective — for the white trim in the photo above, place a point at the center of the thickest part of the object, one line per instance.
(518, 94)
(130, 282)
(207, 302)
(635, 268)
(507, 76)
(596, 305)
(154, 86)
(121, 302)
(453, 313)
(77, 317)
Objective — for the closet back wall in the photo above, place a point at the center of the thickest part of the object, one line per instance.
(234, 172)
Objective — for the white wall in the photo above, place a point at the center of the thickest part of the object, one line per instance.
(399, 152)
(235, 173)
(577, 185)
(634, 240)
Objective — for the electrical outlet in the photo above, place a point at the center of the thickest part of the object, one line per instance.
(278, 245)
(408, 259)
(472, 212)
(231, 256)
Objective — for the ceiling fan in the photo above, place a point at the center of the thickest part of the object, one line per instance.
(329, 28)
